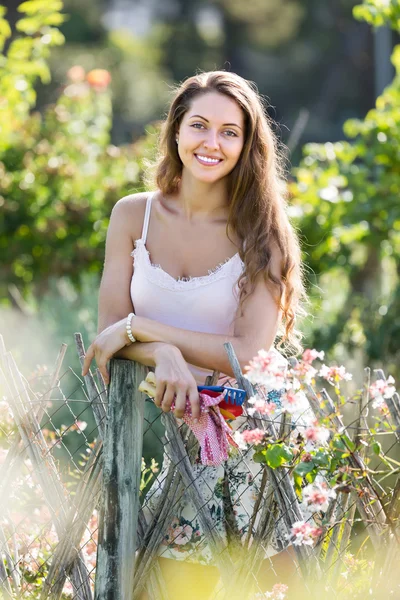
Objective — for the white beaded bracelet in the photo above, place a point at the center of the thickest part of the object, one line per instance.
(129, 328)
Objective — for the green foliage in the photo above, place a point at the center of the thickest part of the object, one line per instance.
(60, 180)
(274, 455)
(59, 174)
(25, 62)
(346, 197)
(379, 12)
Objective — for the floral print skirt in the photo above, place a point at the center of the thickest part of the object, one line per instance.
(230, 492)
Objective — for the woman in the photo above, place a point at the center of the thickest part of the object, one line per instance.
(215, 258)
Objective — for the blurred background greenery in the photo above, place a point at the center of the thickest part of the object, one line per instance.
(73, 142)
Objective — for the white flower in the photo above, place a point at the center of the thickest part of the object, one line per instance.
(81, 426)
(380, 390)
(294, 402)
(310, 355)
(305, 371)
(334, 374)
(238, 437)
(278, 593)
(304, 533)
(316, 433)
(261, 406)
(267, 369)
(316, 496)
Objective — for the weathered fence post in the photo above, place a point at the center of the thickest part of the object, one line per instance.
(122, 449)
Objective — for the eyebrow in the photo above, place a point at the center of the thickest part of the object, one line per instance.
(224, 124)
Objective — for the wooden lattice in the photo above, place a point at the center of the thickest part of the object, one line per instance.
(128, 541)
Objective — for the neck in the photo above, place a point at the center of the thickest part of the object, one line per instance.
(203, 201)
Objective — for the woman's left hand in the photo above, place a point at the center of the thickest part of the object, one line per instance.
(106, 344)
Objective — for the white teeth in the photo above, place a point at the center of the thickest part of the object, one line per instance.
(210, 160)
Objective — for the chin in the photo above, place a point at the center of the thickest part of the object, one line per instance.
(208, 177)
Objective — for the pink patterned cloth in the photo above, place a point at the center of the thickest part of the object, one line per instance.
(211, 430)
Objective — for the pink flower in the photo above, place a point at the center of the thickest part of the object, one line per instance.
(334, 374)
(304, 371)
(253, 436)
(76, 74)
(304, 533)
(293, 402)
(317, 495)
(380, 390)
(278, 592)
(266, 369)
(317, 434)
(81, 425)
(261, 406)
(262, 362)
(310, 355)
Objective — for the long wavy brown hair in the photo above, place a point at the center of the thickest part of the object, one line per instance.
(257, 192)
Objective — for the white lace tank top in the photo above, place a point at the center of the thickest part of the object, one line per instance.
(205, 304)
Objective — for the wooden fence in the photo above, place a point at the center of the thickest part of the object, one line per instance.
(129, 538)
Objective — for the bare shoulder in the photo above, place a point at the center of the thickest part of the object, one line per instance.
(129, 211)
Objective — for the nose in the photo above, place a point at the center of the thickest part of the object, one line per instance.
(211, 139)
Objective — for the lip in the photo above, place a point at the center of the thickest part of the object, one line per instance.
(202, 162)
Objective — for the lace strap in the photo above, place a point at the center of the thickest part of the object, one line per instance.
(147, 217)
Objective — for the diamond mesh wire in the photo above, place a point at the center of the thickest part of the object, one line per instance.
(46, 550)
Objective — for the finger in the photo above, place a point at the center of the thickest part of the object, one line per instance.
(160, 389)
(194, 400)
(168, 398)
(87, 360)
(180, 403)
(103, 370)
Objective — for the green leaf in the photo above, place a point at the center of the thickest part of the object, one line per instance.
(303, 468)
(259, 456)
(376, 448)
(348, 443)
(322, 459)
(298, 480)
(277, 455)
(310, 477)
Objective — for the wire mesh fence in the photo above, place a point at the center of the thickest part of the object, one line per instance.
(91, 477)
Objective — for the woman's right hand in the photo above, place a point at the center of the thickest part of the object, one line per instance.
(174, 381)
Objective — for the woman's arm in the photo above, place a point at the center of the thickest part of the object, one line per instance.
(114, 294)
(255, 329)
(175, 382)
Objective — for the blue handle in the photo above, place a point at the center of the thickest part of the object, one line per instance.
(233, 395)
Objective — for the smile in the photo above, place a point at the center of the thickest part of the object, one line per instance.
(205, 160)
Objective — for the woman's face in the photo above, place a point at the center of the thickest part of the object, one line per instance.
(211, 137)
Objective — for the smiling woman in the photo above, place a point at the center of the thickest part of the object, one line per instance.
(214, 138)
(215, 260)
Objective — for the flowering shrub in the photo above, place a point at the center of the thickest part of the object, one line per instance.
(315, 451)
(53, 204)
(60, 176)
(319, 456)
